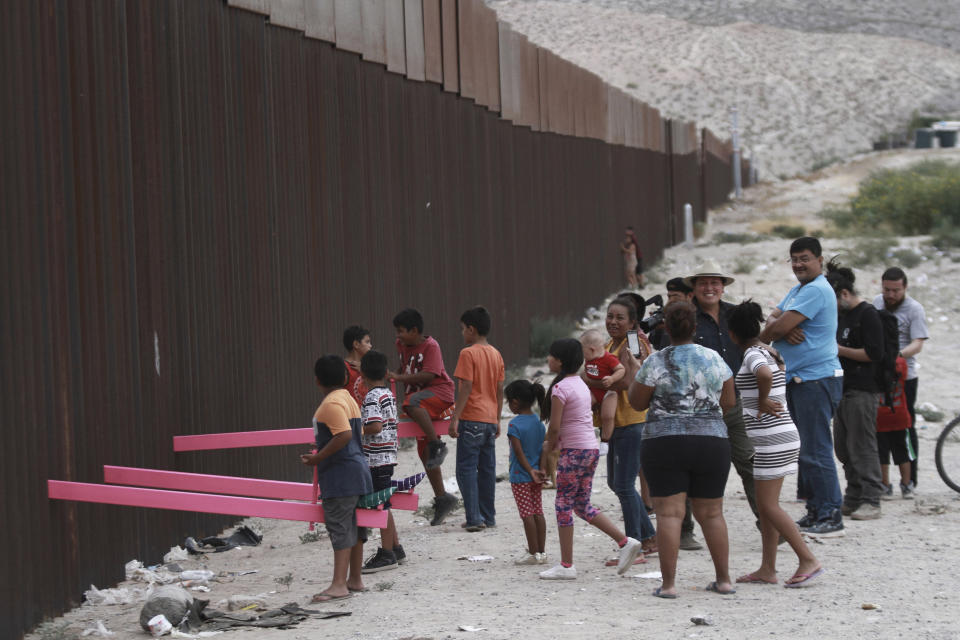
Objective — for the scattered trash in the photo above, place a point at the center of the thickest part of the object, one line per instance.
(465, 627)
(649, 575)
(201, 587)
(202, 575)
(98, 630)
(176, 554)
(704, 621)
(243, 536)
(930, 412)
(237, 602)
(928, 507)
(159, 625)
(869, 606)
(118, 595)
(152, 575)
(130, 567)
(480, 558)
(175, 604)
(450, 485)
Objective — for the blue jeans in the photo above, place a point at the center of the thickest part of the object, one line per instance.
(477, 471)
(623, 465)
(812, 404)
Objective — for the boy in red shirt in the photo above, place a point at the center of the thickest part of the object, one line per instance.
(605, 367)
(892, 437)
(476, 417)
(428, 396)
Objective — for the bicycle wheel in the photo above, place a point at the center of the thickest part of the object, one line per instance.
(948, 455)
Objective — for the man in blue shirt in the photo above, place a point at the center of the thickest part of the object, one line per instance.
(803, 328)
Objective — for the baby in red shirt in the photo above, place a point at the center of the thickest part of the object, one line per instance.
(601, 370)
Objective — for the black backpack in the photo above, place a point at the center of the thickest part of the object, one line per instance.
(886, 369)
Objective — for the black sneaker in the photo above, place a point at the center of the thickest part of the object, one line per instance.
(831, 527)
(442, 506)
(438, 452)
(383, 560)
(807, 521)
(400, 554)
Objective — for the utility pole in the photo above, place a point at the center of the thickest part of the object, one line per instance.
(735, 135)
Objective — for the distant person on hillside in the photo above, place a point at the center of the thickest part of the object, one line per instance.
(428, 396)
(913, 333)
(630, 250)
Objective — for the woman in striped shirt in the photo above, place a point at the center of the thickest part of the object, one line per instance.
(762, 387)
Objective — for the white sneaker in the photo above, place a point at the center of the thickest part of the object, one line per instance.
(559, 572)
(628, 553)
(526, 558)
(542, 557)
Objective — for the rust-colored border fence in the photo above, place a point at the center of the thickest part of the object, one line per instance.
(194, 202)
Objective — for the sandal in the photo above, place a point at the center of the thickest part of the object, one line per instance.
(327, 597)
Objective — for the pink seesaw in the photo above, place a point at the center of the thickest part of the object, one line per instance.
(254, 487)
(201, 502)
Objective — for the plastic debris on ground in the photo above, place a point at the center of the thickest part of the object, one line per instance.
(119, 595)
(98, 630)
(176, 554)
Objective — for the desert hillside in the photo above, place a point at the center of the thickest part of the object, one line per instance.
(811, 85)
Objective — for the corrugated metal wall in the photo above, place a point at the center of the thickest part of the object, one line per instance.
(195, 202)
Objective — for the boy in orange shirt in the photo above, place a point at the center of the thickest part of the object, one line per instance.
(476, 419)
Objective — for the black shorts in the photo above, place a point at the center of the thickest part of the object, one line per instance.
(695, 465)
(381, 480)
(896, 443)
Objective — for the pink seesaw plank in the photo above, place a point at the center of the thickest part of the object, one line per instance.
(232, 485)
(277, 437)
(200, 502)
(268, 438)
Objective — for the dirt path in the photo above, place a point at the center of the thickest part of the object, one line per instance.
(904, 564)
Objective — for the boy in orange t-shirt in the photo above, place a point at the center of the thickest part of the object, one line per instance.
(476, 419)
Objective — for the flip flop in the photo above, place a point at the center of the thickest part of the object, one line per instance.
(612, 562)
(752, 578)
(327, 597)
(713, 587)
(352, 590)
(807, 577)
(657, 593)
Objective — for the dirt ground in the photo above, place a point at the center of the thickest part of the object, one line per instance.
(903, 565)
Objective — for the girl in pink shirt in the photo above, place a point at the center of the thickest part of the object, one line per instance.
(571, 429)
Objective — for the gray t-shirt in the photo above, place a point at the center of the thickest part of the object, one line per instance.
(912, 324)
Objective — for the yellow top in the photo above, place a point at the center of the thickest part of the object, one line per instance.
(627, 415)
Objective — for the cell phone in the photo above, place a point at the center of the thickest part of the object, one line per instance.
(633, 343)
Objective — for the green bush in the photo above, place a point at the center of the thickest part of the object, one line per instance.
(945, 236)
(726, 237)
(907, 258)
(744, 264)
(789, 231)
(913, 201)
(869, 251)
(543, 331)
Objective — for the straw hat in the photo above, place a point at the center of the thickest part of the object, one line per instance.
(708, 269)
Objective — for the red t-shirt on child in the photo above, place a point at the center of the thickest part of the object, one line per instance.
(600, 368)
(897, 418)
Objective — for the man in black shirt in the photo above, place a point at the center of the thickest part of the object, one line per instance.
(860, 345)
(708, 284)
(676, 291)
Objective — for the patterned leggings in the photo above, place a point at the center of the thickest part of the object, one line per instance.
(574, 483)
